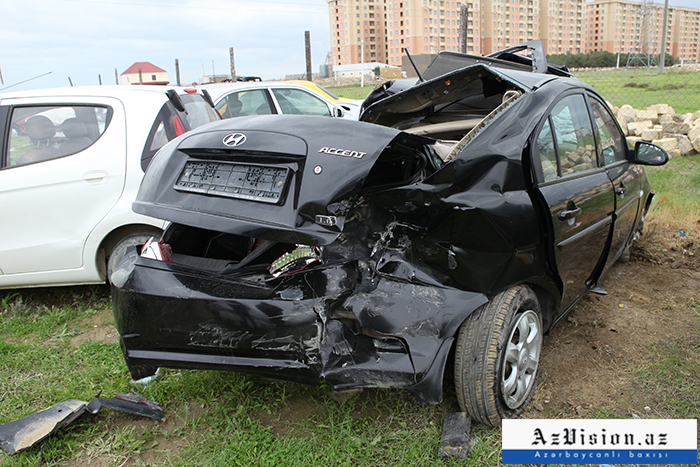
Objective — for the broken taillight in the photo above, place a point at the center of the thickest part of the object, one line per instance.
(177, 124)
(294, 261)
(157, 249)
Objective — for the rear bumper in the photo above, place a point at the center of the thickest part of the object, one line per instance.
(302, 328)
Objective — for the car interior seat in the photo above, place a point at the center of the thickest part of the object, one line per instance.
(76, 134)
(40, 131)
(234, 107)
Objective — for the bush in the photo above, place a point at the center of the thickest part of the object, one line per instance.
(598, 59)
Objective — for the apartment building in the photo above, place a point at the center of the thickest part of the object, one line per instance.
(357, 26)
(562, 26)
(509, 22)
(619, 26)
(685, 34)
(383, 28)
(428, 26)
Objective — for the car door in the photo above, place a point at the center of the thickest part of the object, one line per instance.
(63, 169)
(298, 101)
(578, 193)
(625, 177)
(246, 102)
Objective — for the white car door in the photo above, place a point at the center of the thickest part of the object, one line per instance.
(63, 169)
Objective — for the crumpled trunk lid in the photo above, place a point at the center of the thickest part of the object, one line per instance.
(277, 177)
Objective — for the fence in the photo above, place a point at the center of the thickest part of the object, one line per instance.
(678, 87)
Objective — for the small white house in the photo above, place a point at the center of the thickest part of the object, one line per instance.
(149, 74)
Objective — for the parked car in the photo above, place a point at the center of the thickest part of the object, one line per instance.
(280, 97)
(71, 163)
(466, 218)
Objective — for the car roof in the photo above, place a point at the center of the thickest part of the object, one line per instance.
(96, 91)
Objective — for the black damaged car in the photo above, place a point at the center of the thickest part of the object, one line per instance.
(463, 216)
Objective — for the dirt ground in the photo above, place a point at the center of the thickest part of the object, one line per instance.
(592, 357)
(590, 361)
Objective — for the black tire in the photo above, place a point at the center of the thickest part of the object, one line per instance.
(134, 239)
(138, 372)
(484, 367)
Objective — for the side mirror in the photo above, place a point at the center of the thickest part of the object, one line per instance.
(338, 112)
(649, 154)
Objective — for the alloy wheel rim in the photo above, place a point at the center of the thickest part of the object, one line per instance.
(521, 359)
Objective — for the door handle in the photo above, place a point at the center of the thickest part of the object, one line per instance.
(620, 190)
(95, 177)
(569, 213)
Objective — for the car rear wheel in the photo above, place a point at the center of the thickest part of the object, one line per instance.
(134, 239)
(497, 356)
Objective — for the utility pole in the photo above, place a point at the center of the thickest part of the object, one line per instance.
(99, 78)
(362, 63)
(177, 71)
(662, 58)
(233, 64)
(140, 76)
(116, 76)
(2, 81)
(463, 15)
(307, 40)
(642, 52)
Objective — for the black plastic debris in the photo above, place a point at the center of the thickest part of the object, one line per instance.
(454, 441)
(132, 403)
(26, 432)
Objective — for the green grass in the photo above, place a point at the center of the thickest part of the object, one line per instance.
(641, 88)
(229, 419)
(677, 187)
(353, 91)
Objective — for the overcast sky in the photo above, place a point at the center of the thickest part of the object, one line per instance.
(86, 39)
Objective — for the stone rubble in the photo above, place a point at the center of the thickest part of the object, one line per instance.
(661, 125)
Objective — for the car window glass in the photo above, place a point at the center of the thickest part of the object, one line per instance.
(573, 135)
(159, 138)
(238, 104)
(296, 101)
(198, 111)
(41, 133)
(548, 154)
(611, 143)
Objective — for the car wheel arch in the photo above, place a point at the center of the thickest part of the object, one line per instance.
(113, 238)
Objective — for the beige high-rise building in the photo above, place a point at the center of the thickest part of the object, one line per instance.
(428, 26)
(357, 25)
(616, 26)
(509, 22)
(686, 34)
(383, 28)
(562, 26)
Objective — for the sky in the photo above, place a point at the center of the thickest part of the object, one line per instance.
(56, 42)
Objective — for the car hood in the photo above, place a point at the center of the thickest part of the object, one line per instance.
(281, 178)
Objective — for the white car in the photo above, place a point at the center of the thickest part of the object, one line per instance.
(71, 162)
(280, 97)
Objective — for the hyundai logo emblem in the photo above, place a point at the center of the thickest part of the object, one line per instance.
(234, 139)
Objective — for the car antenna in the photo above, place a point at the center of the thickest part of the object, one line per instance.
(26, 80)
(405, 50)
